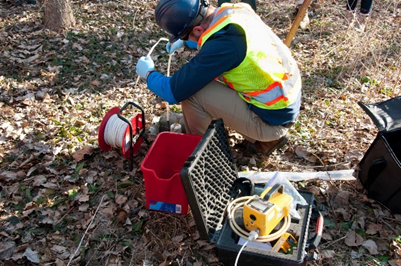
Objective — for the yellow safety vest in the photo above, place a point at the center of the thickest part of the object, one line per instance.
(268, 77)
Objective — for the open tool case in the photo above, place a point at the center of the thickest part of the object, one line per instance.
(208, 176)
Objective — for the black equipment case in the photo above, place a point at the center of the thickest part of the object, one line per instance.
(380, 169)
(208, 177)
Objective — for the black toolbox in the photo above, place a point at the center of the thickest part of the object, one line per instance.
(380, 169)
(208, 176)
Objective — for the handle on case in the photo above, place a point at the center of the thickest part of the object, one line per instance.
(378, 165)
(276, 188)
(140, 131)
(315, 240)
(245, 185)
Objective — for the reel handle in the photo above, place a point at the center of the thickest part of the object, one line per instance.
(139, 130)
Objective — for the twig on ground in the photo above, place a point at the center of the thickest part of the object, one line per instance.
(133, 253)
(388, 225)
(80, 242)
(64, 215)
(393, 220)
(333, 242)
(325, 168)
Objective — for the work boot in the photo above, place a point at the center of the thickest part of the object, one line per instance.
(305, 21)
(362, 20)
(268, 147)
(246, 146)
(350, 16)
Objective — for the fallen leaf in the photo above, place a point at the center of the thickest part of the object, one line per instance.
(372, 229)
(178, 239)
(143, 214)
(359, 223)
(121, 215)
(84, 198)
(371, 246)
(211, 258)
(352, 239)
(8, 176)
(31, 255)
(7, 249)
(17, 256)
(38, 180)
(58, 249)
(85, 150)
(341, 199)
(95, 83)
(108, 211)
(346, 215)
(60, 262)
(83, 207)
(202, 243)
(252, 161)
(83, 171)
(327, 237)
(355, 255)
(396, 262)
(301, 151)
(31, 170)
(120, 199)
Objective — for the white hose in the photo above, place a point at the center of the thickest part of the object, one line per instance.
(150, 52)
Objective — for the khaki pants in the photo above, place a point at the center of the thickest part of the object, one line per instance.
(216, 100)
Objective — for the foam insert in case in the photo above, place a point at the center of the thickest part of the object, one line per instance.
(208, 176)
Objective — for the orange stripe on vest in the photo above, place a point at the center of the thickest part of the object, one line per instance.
(270, 87)
(276, 100)
(211, 28)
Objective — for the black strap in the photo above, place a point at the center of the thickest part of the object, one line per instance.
(378, 165)
(245, 185)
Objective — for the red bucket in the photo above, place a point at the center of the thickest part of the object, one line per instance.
(161, 171)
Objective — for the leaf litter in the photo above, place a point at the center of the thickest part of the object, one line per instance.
(64, 201)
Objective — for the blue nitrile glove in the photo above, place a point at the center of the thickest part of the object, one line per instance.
(191, 45)
(144, 65)
(172, 47)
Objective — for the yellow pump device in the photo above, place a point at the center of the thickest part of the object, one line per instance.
(264, 213)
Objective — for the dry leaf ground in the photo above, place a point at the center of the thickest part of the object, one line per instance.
(63, 201)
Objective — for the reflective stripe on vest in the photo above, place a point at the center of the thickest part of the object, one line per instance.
(268, 77)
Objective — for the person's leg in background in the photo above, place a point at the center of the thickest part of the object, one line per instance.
(366, 6)
(363, 15)
(351, 4)
(364, 11)
(220, 2)
(252, 3)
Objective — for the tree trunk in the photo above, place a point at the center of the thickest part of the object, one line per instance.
(58, 15)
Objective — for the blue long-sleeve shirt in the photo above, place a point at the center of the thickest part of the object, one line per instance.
(222, 52)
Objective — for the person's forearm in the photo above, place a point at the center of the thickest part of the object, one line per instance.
(160, 85)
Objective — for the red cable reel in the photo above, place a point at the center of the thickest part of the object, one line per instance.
(133, 134)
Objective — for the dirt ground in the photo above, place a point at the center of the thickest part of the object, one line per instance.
(64, 201)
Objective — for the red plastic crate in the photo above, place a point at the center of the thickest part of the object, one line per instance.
(161, 171)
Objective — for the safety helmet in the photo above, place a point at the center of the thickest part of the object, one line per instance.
(177, 16)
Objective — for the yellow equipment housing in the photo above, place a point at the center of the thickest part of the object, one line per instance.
(264, 213)
(284, 243)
